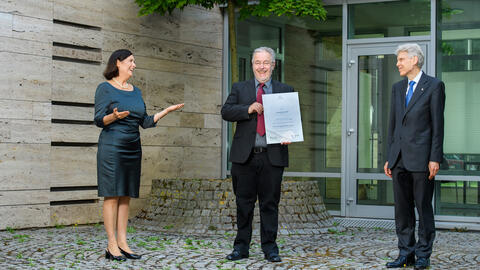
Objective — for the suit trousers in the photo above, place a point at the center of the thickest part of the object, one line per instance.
(410, 190)
(257, 178)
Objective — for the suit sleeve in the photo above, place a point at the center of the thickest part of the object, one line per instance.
(437, 107)
(391, 123)
(102, 101)
(148, 120)
(232, 110)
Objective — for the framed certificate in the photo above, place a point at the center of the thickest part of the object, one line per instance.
(283, 122)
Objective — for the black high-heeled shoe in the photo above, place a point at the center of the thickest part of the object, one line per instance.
(132, 256)
(109, 256)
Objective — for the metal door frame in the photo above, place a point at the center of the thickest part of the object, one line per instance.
(352, 209)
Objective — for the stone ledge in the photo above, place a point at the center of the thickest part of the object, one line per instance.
(207, 206)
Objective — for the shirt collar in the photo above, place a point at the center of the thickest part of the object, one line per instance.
(417, 78)
(267, 84)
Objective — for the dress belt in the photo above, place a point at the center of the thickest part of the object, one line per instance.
(257, 150)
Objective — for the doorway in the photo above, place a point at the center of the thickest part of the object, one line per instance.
(371, 72)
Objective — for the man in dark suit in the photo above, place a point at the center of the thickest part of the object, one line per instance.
(415, 151)
(257, 168)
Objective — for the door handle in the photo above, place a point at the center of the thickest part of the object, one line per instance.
(349, 201)
(350, 131)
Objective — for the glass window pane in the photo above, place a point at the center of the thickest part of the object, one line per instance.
(376, 75)
(374, 192)
(313, 66)
(389, 19)
(252, 34)
(458, 65)
(457, 198)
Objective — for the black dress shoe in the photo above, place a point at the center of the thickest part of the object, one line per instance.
(109, 256)
(422, 263)
(236, 255)
(132, 256)
(402, 261)
(273, 257)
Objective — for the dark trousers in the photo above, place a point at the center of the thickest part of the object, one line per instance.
(257, 178)
(410, 190)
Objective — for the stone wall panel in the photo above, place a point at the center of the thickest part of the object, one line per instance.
(201, 162)
(14, 45)
(31, 216)
(75, 133)
(29, 28)
(24, 166)
(6, 24)
(32, 83)
(73, 166)
(76, 214)
(87, 12)
(75, 53)
(33, 8)
(23, 197)
(72, 113)
(77, 36)
(24, 131)
(73, 81)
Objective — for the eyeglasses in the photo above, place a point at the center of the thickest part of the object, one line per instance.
(265, 63)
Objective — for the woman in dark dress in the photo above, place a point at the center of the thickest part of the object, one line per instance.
(120, 110)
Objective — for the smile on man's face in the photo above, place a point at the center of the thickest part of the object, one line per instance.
(262, 66)
(405, 63)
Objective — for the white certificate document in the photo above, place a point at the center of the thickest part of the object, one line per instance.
(283, 122)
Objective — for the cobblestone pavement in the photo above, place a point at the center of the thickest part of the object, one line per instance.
(82, 247)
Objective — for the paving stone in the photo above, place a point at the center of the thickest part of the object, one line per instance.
(83, 247)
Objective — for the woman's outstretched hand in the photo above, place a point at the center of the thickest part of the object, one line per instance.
(175, 107)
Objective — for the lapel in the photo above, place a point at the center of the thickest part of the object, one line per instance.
(274, 88)
(251, 91)
(419, 90)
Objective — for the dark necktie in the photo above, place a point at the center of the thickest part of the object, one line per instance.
(409, 93)
(260, 119)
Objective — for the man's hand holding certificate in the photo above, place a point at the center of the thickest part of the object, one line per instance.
(283, 122)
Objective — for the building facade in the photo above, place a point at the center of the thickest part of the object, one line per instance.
(343, 69)
(53, 52)
(52, 55)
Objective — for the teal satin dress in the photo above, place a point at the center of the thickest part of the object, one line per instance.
(119, 155)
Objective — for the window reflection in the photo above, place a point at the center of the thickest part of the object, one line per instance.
(389, 19)
(458, 198)
(458, 65)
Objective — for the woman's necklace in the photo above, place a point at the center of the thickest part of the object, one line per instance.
(121, 86)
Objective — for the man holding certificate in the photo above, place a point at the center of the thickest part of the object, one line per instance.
(257, 168)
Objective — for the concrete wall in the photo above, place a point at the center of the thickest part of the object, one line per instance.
(52, 54)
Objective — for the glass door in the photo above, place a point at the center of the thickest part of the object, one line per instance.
(370, 75)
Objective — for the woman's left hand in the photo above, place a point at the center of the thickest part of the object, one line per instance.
(175, 107)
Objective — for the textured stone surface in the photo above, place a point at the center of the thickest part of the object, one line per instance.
(52, 55)
(208, 206)
(82, 247)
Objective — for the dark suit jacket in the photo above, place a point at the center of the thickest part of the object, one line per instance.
(235, 109)
(417, 131)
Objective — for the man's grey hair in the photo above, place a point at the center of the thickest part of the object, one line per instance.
(265, 49)
(413, 49)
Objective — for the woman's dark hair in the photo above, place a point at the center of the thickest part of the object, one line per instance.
(111, 69)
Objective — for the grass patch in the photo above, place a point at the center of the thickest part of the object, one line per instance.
(131, 229)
